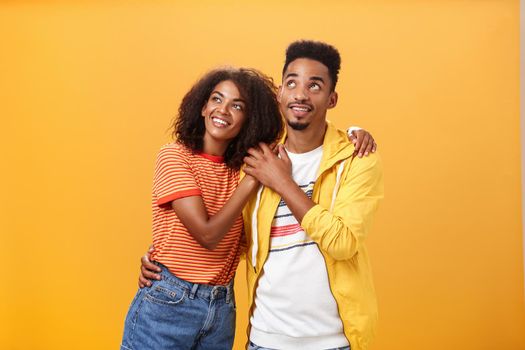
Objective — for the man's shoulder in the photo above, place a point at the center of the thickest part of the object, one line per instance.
(336, 140)
(371, 165)
(333, 132)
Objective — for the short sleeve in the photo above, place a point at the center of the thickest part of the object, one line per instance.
(173, 178)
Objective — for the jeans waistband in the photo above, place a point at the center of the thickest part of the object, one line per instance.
(204, 291)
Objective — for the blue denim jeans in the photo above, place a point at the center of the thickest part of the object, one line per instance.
(176, 314)
(252, 346)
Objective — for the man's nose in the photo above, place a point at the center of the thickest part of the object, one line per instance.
(300, 94)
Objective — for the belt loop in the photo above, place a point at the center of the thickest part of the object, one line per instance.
(229, 292)
(214, 292)
(194, 290)
(228, 295)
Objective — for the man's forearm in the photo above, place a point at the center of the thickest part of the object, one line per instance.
(296, 200)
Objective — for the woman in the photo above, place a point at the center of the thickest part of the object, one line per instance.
(197, 203)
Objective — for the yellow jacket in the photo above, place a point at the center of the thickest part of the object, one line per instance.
(347, 192)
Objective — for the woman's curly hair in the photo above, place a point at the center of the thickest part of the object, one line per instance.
(263, 122)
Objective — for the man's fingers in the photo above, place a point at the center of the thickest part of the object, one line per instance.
(274, 147)
(149, 265)
(284, 155)
(265, 148)
(145, 262)
(249, 170)
(250, 162)
(149, 274)
(255, 153)
(143, 282)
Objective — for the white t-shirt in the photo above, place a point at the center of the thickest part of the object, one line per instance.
(294, 307)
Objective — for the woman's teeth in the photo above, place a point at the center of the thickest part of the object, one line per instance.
(219, 121)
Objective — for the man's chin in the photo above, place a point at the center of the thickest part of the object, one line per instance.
(297, 126)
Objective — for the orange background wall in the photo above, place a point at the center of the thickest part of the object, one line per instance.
(88, 90)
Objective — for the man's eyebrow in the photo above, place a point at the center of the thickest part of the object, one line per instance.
(315, 78)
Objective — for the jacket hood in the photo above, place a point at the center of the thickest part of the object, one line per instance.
(336, 147)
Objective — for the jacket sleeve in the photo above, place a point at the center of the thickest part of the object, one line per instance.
(340, 233)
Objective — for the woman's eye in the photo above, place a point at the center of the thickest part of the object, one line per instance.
(215, 99)
(237, 107)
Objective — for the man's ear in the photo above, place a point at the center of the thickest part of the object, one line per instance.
(279, 93)
(332, 100)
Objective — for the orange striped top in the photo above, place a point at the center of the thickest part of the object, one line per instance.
(180, 173)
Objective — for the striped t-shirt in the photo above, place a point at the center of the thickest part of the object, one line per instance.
(180, 173)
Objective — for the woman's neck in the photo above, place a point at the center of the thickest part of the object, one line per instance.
(214, 147)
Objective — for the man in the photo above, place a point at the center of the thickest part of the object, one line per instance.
(309, 281)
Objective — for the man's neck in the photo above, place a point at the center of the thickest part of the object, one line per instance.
(302, 141)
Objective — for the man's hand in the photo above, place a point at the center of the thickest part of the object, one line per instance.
(148, 270)
(363, 141)
(271, 170)
(276, 173)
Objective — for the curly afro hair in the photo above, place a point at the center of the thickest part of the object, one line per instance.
(263, 121)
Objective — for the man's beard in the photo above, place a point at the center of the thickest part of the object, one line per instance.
(297, 126)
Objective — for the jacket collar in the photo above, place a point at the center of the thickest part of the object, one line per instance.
(336, 146)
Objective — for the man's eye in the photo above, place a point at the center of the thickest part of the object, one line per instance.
(315, 86)
(290, 84)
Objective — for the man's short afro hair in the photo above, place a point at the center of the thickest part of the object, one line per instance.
(317, 51)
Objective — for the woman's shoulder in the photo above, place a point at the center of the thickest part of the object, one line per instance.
(172, 150)
(175, 147)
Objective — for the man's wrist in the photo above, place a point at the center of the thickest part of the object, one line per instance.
(283, 184)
